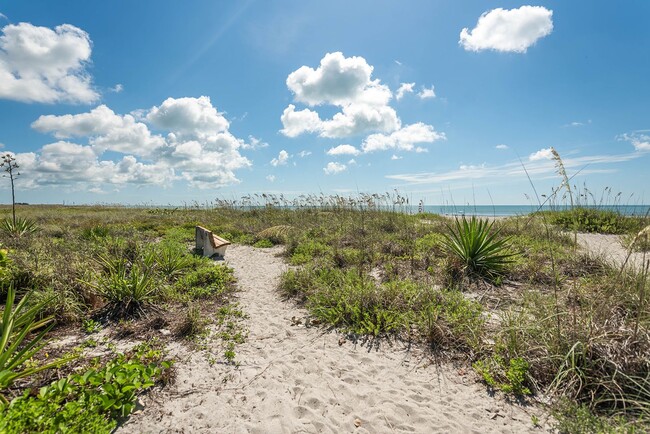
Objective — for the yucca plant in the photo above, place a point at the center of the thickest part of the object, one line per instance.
(127, 291)
(478, 246)
(171, 260)
(15, 346)
(18, 227)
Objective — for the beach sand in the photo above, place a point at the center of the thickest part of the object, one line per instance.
(610, 249)
(298, 379)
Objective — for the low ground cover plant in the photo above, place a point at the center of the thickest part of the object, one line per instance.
(91, 401)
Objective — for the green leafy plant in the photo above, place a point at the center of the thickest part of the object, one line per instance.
(263, 243)
(128, 291)
(478, 246)
(172, 260)
(15, 346)
(91, 326)
(18, 227)
(91, 401)
(510, 377)
(207, 280)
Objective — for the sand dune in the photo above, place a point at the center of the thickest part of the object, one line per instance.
(299, 379)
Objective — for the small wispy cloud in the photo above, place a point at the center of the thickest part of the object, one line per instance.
(639, 139)
(254, 144)
(270, 178)
(404, 88)
(502, 147)
(539, 167)
(117, 88)
(578, 123)
(427, 93)
(395, 157)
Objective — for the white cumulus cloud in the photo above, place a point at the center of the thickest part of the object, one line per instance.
(195, 146)
(196, 116)
(298, 122)
(427, 93)
(344, 82)
(281, 160)
(363, 104)
(39, 64)
(501, 147)
(542, 154)
(404, 139)
(105, 129)
(513, 30)
(333, 168)
(343, 150)
(337, 81)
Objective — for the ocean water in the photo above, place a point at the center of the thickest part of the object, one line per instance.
(514, 210)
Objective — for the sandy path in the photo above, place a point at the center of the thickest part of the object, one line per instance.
(610, 249)
(295, 379)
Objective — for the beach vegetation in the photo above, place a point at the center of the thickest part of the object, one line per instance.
(18, 227)
(18, 344)
(551, 320)
(476, 244)
(90, 401)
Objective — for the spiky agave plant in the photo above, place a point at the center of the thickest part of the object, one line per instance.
(18, 227)
(16, 344)
(478, 246)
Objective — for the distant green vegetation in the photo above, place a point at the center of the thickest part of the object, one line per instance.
(598, 220)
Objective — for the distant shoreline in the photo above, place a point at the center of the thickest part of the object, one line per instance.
(443, 210)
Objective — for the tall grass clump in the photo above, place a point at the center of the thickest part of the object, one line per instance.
(126, 279)
(585, 338)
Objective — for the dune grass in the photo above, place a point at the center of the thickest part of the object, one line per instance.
(555, 322)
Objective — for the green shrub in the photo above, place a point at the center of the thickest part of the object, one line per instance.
(172, 259)
(450, 320)
(95, 232)
(193, 323)
(603, 221)
(509, 376)
(348, 299)
(128, 291)
(21, 227)
(478, 247)
(306, 251)
(263, 243)
(206, 281)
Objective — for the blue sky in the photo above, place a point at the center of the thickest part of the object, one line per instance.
(167, 102)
